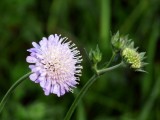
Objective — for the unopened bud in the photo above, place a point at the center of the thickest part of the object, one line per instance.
(95, 56)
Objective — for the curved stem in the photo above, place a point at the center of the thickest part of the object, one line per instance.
(80, 95)
(85, 88)
(94, 67)
(110, 61)
(102, 71)
(4, 100)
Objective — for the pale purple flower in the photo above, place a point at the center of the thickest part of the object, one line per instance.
(55, 64)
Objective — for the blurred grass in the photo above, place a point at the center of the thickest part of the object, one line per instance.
(118, 95)
(148, 106)
(134, 15)
(104, 41)
(151, 50)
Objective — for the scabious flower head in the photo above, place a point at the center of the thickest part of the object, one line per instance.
(133, 58)
(129, 54)
(55, 64)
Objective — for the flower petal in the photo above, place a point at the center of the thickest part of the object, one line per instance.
(56, 90)
(33, 76)
(42, 83)
(30, 59)
(35, 45)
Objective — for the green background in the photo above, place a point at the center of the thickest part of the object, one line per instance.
(118, 95)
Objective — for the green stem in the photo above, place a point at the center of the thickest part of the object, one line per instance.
(106, 65)
(80, 95)
(4, 100)
(84, 90)
(102, 71)
(110, 61)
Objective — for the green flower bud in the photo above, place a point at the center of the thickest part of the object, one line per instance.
(118, 43)
(133, 58)
(95, 56)
(125, 46)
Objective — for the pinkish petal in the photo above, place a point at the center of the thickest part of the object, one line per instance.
(35, 45)
(30, 59)
(56, 90)
(33, 76)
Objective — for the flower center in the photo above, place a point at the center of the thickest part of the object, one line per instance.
(53, 67)
(58, 64)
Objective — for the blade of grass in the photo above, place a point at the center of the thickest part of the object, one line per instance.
(105, 25)
(147, 79)
(153, 96)
(137, 12)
